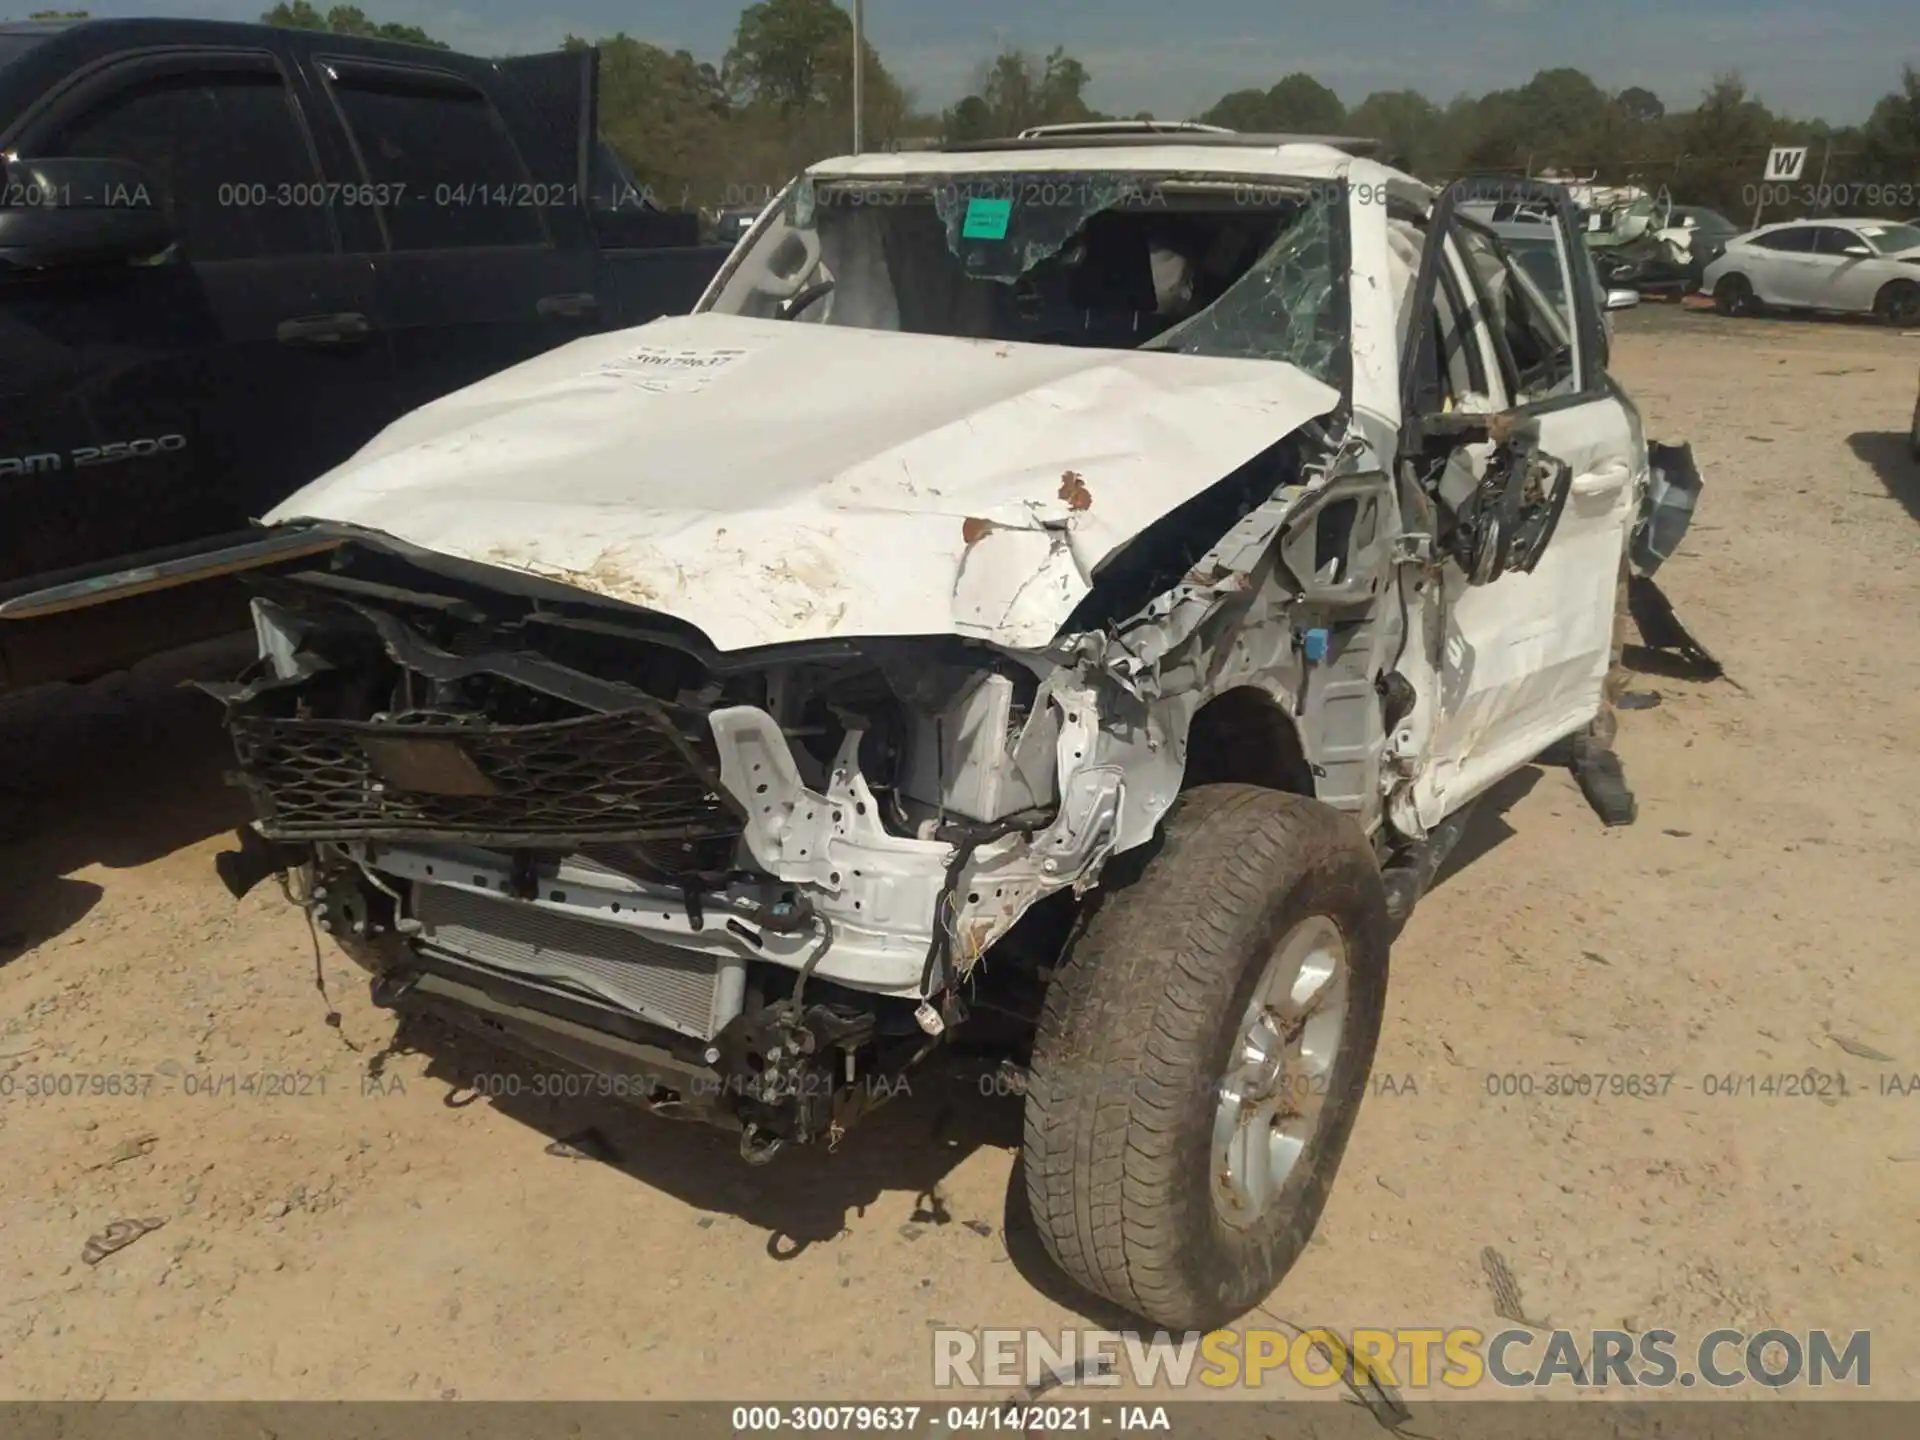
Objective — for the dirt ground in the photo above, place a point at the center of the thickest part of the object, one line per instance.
(373, 1228)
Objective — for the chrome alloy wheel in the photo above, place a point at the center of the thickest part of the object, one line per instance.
(1279, 1070)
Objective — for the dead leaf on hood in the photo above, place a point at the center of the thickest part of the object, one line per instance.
(974, 529)
(1074, 491)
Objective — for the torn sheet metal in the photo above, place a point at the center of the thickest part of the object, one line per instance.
(779, 482)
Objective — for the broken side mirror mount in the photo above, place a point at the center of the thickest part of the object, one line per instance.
(1497, 518)
(1335, 544)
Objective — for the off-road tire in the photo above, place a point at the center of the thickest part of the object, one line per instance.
(1898, 303)
(1733, 295)
(1134, 1039)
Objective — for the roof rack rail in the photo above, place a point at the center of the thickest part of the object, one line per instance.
(1123, 127)
(1105, 134)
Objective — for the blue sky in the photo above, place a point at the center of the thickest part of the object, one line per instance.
(1175, 57)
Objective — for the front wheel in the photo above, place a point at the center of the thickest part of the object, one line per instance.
(1898, 303)
(1734, 296)
(1202, 1054)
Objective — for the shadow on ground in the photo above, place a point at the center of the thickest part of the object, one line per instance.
(1891, 456)
(937, 1117)
(1487, 827)
(117, 773)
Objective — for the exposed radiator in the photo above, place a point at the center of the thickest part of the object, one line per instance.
(681, 989)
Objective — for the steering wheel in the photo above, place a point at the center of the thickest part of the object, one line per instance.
(791, 307)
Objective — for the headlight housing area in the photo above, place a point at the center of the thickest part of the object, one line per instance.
(420, 715)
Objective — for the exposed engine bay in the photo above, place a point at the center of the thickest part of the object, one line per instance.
(733, 705)
(774, 874)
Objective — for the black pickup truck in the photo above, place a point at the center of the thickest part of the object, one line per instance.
(229, 255)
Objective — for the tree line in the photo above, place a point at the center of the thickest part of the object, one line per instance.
(699, 133)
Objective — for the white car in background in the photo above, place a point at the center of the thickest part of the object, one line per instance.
(1853, 266)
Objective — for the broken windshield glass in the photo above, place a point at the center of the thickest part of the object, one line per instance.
(1282, 308)
(1191, 264)
(1002, 229)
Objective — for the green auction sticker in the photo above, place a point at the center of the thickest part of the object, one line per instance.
(986, 219)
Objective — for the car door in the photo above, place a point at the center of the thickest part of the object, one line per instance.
(1850, 270)
(1786, 270)
(470, 277)
(220, 380)
(1524, 604)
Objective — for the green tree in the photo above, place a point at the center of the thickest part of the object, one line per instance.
(1298, 104)
(1017, 90)
(1557, 108)
(1724, 141)
(1407, 124)
(970, 119)
(666, 113)
(1638, 103)
(345, 20)
(1890, 149)
(789, 72)
(781, 52)
(1301, 104)
(1239, 110)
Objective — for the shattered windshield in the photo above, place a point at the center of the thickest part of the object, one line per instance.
(1185, 264)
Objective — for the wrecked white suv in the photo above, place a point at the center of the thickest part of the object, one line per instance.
(1081, 578)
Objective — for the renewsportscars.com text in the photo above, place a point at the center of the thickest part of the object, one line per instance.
(1458, 1358)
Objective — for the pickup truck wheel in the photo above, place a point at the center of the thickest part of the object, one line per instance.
(1734, 296)
(1898, 303)
(1202, 1053)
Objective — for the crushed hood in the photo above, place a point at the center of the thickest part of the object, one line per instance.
(770, 482)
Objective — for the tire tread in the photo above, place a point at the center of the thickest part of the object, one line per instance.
(1100, 1160)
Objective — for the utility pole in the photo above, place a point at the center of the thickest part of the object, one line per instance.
(859, 71)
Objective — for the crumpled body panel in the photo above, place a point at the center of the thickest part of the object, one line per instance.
(774, 482)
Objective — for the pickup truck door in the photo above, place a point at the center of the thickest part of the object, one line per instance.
(1523, 610)
(204, 389)
(483, 260)
(651, 261)
(45, 424)
(561, 91)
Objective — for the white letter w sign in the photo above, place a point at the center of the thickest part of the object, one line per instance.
(1785, 162)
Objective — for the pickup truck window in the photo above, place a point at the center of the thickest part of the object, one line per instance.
(227, 151)
(454, 177)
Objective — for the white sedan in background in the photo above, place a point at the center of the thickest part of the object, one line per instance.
(1858, 266)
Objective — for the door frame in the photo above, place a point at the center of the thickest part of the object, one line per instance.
(1426, 435)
